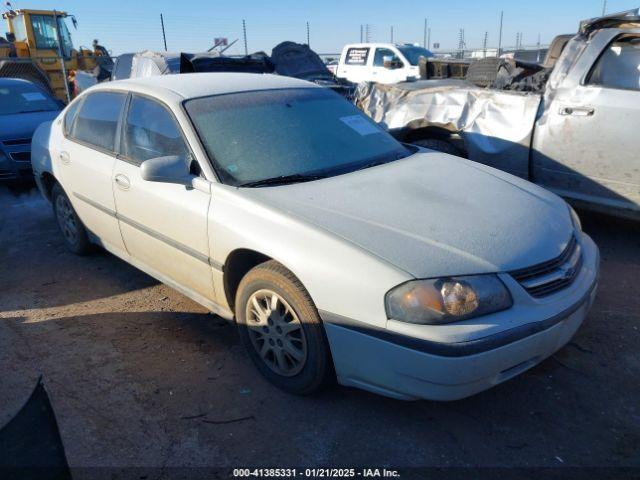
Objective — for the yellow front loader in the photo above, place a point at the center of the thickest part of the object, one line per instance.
(38, 47)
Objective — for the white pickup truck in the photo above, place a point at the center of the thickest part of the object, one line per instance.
(573, 133)
(380, 62)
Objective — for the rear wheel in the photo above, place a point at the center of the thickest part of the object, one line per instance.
(281, 329)
(73, 230)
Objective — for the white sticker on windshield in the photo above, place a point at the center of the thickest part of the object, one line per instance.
(33, 96)
(360, 125)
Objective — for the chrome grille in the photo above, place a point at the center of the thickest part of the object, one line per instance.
(549, 277)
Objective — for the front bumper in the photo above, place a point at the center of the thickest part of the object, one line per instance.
(408, 368)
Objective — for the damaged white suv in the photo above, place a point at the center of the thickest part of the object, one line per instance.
(338, 251)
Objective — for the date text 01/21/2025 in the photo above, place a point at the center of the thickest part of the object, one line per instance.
(316, 473)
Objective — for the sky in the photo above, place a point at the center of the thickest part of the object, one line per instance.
(191, 25)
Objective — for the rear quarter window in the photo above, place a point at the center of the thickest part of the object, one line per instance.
(97, 121)
(70, 116)
(357, 56)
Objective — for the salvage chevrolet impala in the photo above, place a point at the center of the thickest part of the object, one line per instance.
(339, 252)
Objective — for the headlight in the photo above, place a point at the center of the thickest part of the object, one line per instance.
(577, 224)
(445, 300)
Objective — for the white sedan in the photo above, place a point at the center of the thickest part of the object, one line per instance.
(339, 252)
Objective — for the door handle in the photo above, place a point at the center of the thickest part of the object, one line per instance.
(577, 111)
(65, 158)
(122, 181)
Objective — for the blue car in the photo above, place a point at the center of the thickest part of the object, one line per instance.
(23, 106)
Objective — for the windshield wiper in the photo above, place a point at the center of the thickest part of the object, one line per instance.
(36, 111)
(284, 179)
(382, 161)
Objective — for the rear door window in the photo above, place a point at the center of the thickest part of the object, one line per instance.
(357, 56)
(97, 120)
(150, 131)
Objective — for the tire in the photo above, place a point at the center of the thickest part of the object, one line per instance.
(73, 230)
(439, 146)
(295, 353)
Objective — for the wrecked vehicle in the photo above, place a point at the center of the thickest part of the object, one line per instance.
(575, 137)
(287, 58)
(215, 185)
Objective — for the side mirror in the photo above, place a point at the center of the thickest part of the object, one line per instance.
(171, 169)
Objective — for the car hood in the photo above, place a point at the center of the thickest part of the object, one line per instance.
(22, 125)
(432, 214)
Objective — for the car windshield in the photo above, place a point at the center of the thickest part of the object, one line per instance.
(288, 135)
(23, 97)
(413, 54)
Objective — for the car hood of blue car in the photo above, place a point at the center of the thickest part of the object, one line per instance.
(22, 125)
(433, 214)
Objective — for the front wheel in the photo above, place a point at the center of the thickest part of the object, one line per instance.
(73, 231)
(282, 331)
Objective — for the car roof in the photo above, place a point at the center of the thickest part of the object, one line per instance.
(193, 85)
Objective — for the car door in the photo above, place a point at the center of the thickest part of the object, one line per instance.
(390, 74)
(86, 158)
(586, 147)
(164, 225)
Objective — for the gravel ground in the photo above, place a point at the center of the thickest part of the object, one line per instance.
(139, 375)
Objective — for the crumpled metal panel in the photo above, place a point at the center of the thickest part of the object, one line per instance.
(148, 64)
(496, 125)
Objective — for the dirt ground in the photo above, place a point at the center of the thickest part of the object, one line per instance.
(138, 375)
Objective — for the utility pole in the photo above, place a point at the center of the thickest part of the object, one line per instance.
(61, 53)
(517, 41)
(604, 7)
(500, 34)
(484, 45)
(244, 35)
(425, 45)
(538, 45)
(361, 33)
(367, 33)
(461, 44)
(391, 33)
(308, 36)
(428, 38)
(164, 36)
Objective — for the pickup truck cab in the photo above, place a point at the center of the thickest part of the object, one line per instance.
(380, 62)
